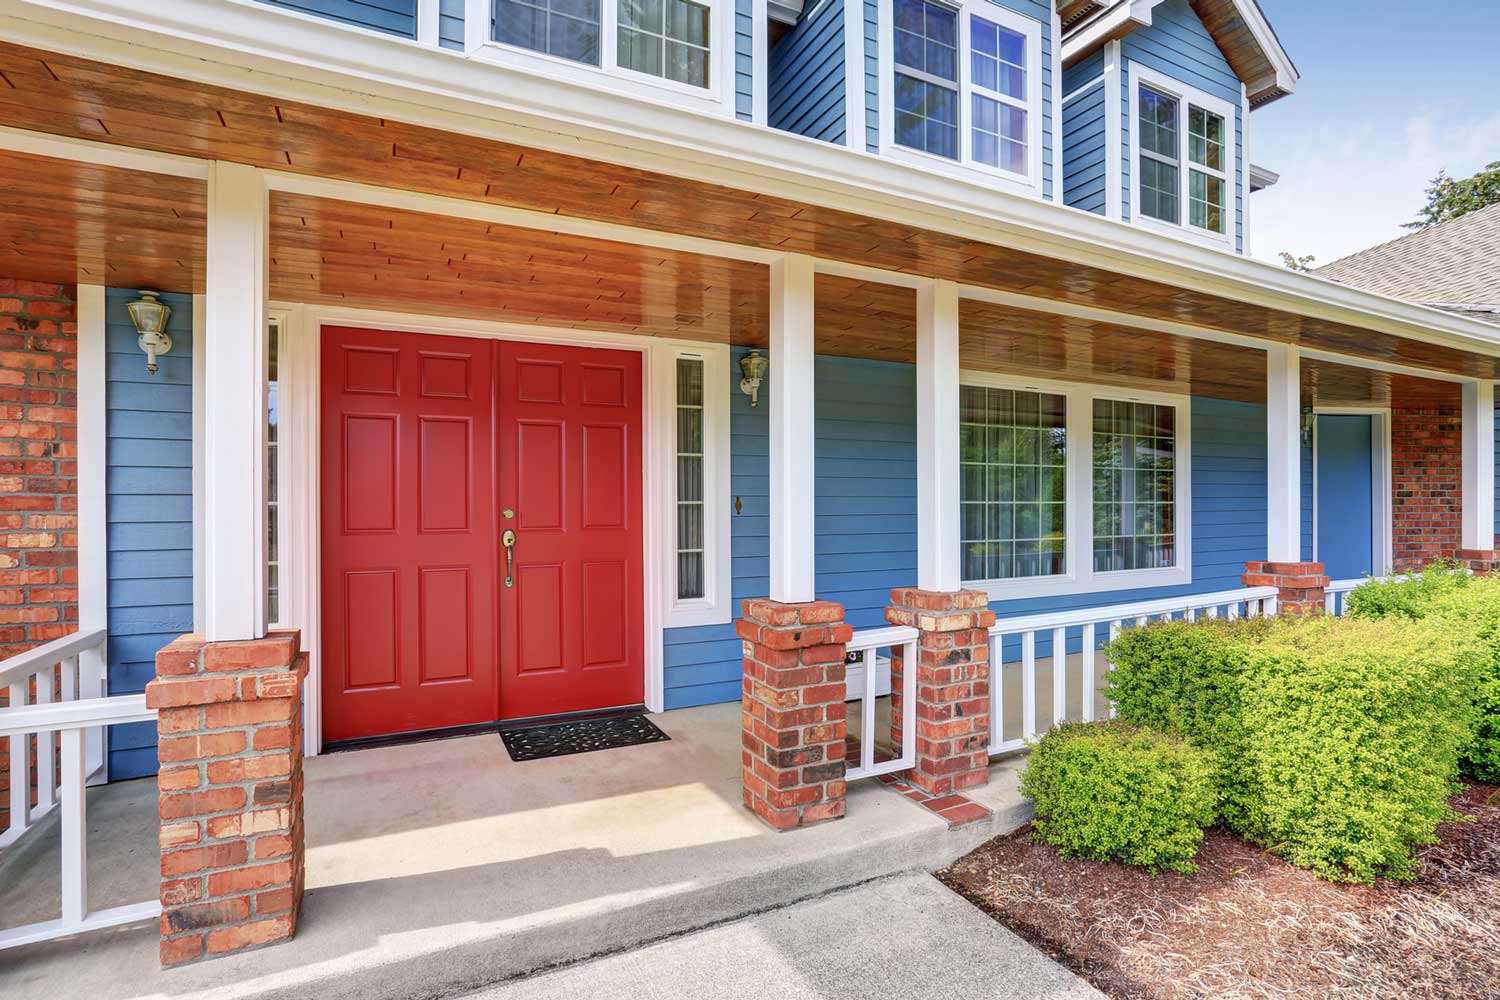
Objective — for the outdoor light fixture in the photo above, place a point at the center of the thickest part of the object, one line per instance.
(150, 319)
(1309, 418)
(754, 368)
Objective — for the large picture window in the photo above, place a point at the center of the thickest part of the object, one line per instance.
(1071, 489)
(1183, 157)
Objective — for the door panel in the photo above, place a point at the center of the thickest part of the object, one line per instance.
(569, 457)
(409, 539)
(1345, 485)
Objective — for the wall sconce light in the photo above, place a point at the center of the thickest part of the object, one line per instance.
(150, 319)
(1309, 419)
(754, 367)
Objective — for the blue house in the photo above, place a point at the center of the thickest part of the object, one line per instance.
(866, 363)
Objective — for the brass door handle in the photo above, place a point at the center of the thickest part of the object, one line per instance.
(508, 539)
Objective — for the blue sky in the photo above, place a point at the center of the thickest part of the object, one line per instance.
(1385, 100)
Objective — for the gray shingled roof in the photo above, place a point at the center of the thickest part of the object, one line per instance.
(1454, 266)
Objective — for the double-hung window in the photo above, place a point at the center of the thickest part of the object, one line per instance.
(1183, 157)
(962, 83)
(1070, 489)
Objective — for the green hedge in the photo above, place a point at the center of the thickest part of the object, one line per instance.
(1447, 597)
(1111, 793)
(1338, 739)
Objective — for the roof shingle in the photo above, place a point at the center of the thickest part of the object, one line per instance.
(1453, 264)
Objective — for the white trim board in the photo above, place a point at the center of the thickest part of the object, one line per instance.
(300, 504)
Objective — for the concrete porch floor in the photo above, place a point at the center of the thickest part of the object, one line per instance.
(441, 867)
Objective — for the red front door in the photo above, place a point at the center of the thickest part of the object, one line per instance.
(570, 470)
(433, 447)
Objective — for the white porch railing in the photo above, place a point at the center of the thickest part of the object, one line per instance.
(870, 677)
(58, 672)
(1336, 595)
(1085, 627)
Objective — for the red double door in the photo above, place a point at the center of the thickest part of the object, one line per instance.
(433, 449)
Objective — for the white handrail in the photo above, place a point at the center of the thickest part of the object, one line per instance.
(1336, 594)
(49, 654)
(1059, 629)
(867, 644)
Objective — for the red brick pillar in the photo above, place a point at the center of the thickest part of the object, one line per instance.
(953, 686)
(793, 711)
(230, 732)
(1485, 561)
(1301, 585)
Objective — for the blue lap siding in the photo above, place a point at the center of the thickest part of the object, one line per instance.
(1083, 135)
(865, 509)
(805, 77)
(149, 483)
(396, 17)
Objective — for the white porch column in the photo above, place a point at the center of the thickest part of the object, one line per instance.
(1479, 466)
(1284, 454)
(93, 562)
(791, 400)
(235, 390)
(937, 437)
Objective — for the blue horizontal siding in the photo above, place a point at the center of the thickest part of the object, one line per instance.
(744, 59)
(395, 17)
(1083, 136)
(1306, 527)
(149, 508)
(805, 77)
(451, 24)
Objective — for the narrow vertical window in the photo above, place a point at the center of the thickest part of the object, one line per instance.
(1160, 157)
(926, 77)
(997, 58)
(1135, 486)
(690, 568)
(1013, 449)
(1206, 187)
(273, 513)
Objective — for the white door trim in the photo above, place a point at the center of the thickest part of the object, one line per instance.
(300, 400)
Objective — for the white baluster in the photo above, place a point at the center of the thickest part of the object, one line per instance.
(46, 748)
(75, 893)
(997, 689)
(1191, 614)
(20, 766)
(909, 715)
(1089, 681)
(1028, 684)
(867, 710)
(69, 679)
(1059, 676)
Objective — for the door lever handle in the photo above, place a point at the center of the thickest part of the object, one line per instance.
(508, 539)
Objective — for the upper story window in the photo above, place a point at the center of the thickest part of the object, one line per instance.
(1183, 157)
(679, 51)
(961, 88)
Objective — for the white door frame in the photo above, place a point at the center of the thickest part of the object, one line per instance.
(299, 488)
(1382, 541)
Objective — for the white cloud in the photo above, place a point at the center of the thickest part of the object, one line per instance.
(1349, 186)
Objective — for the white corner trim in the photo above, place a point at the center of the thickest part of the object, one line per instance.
(854, 75)
(1079, 576)
(427, 22)
(1114, 183)
(1245, 170)
(760, 59)
(93, 445)
(1055, 106)
(200, 473)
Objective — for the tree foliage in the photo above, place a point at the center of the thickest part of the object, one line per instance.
(1448, 197)
(1303, 264)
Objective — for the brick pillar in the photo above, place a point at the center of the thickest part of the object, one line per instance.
(1301, 585)
(230, 731)
(953, 686)
(793, 711)
(1485, 561)
(1426, 474)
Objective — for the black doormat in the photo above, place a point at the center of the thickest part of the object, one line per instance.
(560, 739)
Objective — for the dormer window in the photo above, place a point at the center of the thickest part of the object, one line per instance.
(1183, 156)
(962, 85)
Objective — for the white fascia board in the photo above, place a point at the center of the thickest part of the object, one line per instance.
(1265, 36)
(1114, 23)
(325, 64)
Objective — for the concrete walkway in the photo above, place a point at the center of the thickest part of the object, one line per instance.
(905, 936)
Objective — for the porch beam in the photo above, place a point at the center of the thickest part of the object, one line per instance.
(937, 437)
(1283, 454)
(234, 421)
(1479, 466)
(790, 388)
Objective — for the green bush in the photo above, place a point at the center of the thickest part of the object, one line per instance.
(1338, 739)
(1451, 599)
(1112, 793)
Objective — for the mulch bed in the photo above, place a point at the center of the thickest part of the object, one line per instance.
(1248, 925)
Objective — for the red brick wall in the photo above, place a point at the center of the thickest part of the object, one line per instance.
(1427, 482)
(38, 470)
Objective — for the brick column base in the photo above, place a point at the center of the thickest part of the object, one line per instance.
(1302, 585)
(1483, 561)
(793, 711)
(953, 686)
(230, 742)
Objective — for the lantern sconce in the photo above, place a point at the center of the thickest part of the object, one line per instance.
(754, 367)
(150, 319)
(1309, 420)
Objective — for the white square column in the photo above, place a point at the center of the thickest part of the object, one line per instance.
(790, 387)
(938, 470)
(235, 358)
(1283, 454)
(1479, 466)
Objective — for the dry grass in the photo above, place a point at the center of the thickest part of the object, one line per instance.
(1248, 926)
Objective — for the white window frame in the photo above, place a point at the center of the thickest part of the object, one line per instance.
(1079, 576)
(965, 166)
(714, 607)
(1184, 95)
(717, 98)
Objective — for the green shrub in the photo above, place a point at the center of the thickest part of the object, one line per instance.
(1451, 599)
(1338, 740)
(1112, 793)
